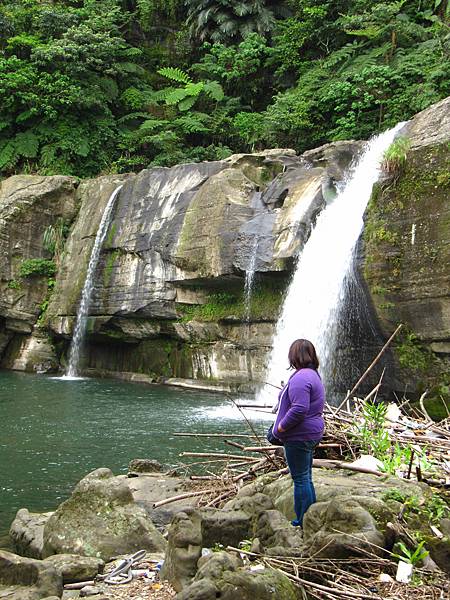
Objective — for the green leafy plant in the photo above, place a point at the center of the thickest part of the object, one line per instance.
(13, 284)
(186, 96)
(412, 557)
(37, 266)
(54, 238)
(410, 353)
(394, 158)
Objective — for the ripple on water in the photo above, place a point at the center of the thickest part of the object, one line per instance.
(54, 431)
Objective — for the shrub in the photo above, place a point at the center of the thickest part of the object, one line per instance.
(33, 267)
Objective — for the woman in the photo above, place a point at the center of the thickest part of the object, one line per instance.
(299, 423)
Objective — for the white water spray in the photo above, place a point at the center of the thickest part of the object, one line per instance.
(317, 289)
(83, 310)
(249, 278)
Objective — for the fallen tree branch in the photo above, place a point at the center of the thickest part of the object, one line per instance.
(181, 497)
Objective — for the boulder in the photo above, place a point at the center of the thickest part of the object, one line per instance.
(27, 533)
(27, 579)
(221, 575)
(226, 527)
(340, 528)
(100, 519)
(149, 488)
(331, 484)
(274, 531)
(199, 590)
(184, 549)
(73, 567)
(144, 465)
(252, 505)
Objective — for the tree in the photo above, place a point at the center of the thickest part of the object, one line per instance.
(229, 21)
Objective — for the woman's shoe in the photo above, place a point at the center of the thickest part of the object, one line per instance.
(296, 523)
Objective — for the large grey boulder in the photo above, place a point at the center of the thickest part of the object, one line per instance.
(27, 533)
(222, 575)
(73, 567)
(149, 488)
(27, 579)
(331, 484)
(341, 528)
(100, 519)
(226, 527)
(184, 549)
(274, 531)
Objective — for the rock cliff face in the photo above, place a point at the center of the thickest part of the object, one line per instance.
(28, 206)
(169, 298)
(406, 255)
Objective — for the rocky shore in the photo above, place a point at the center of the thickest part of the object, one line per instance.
(206, 553)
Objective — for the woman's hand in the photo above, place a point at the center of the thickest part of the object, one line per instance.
(280, 429)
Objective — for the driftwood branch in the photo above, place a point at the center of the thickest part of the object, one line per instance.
(182, 497)
(369, 368)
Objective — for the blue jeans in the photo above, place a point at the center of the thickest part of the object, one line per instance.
(299, 457)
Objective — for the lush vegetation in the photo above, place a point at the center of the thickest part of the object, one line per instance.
(91, 86)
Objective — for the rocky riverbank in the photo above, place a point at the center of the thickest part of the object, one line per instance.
(357, 516)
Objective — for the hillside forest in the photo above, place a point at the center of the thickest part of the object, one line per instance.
(111, 86)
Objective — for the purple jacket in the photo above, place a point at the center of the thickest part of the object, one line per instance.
(300, 410)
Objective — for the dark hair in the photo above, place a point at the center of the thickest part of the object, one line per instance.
(302, 354)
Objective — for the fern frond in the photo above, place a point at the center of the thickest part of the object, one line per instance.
(194, 89)
(133, 116)
(175, 74)
(27, 144)
(214, 90)
(152, 124)
(187, 103)
(8, 155)
(176, 96)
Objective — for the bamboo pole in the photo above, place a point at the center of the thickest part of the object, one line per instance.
(216, 455)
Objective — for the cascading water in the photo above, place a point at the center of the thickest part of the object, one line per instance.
(316, 292)
(83, 310)
(249, 278)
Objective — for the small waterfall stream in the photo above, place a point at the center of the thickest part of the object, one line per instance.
(83, 310)
(317, 289)
(250, 278)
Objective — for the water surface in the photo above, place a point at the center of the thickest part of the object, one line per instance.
(53, 432)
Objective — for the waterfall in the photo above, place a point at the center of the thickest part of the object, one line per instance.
(249, 278)
(83, 310)
(317, 289)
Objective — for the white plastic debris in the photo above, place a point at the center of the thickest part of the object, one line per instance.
(404, 572)
(385, 578)
(257, 568)
(366, 461)
(393, 413)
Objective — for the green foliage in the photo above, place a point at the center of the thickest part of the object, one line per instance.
(394, 158)
(431, 510)
(32, 267)
(410, 353)
(43, 307)
(228, 21)
(13, 284)
(411, 556)
(373, 438)
(264, 304)
(54, 238)
(94, 86)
